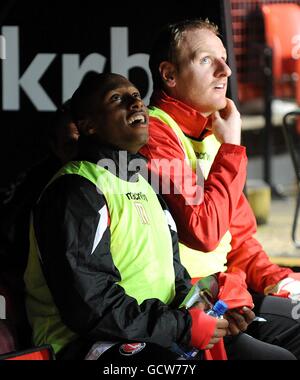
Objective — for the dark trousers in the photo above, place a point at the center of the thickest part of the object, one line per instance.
(150, 352)
(276, 339)
(120, 351)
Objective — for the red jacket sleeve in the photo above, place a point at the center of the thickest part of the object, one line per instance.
(202, 225)
(247, 253)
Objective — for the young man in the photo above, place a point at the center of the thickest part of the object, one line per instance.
(104, 262)
(193, 123)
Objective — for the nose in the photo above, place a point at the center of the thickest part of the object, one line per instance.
(222, 70)
(135, 103)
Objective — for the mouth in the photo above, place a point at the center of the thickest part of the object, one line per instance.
(220, 86)
(137, 120)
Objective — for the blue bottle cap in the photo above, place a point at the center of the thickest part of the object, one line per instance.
(220, 308)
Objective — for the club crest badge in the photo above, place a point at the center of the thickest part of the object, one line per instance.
(129, 349)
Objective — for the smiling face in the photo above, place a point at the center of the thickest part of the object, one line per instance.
(119, 118)
(199, 77)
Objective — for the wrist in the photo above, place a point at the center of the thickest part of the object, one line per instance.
(232, 140)
(287, 287)
(202, 329)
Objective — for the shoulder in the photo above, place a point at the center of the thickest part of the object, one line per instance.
(71, 191)
(158, 127)
(163, 142)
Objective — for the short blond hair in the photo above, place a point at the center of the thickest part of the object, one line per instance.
(168, 41)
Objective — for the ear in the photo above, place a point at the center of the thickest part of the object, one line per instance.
(167, 72)
(86, 127)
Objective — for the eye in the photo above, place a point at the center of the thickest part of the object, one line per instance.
(205, 60)
(115, 97)
(136, 95)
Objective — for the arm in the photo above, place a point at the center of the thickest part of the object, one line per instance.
(215, 328)
(202, 225)
(85, 286)
(247, 253)
(182, 278)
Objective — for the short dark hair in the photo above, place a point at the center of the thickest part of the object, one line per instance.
(167, 42)
(82, 100)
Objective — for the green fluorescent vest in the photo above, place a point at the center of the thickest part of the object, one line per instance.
(141, 248)
(202, 153)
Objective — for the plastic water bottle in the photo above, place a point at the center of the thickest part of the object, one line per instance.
(217, 311)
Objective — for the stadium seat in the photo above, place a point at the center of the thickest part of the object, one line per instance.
(292, 136)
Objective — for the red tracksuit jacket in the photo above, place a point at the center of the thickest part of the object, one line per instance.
(224, 206)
